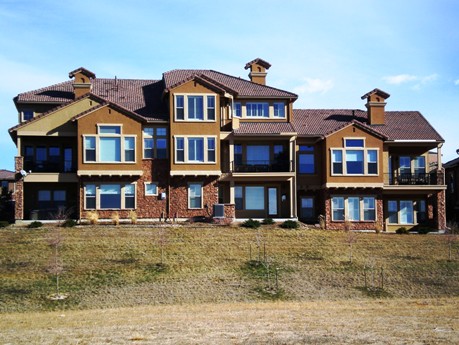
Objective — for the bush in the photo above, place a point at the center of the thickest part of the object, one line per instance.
(290, 224)
(250, 223)
(268, 221)
(4, 223)
(69, 223)
(424, 230)
(35, 224)
(402, 231)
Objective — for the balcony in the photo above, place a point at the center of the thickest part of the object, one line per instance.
(417, 179)
(261, 166)
(49, 166)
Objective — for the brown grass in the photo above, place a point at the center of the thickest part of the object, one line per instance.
(388, 321)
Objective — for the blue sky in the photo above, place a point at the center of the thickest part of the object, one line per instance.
(328, 52)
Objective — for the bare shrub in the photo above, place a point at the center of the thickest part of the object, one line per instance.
(322, 221)
(92, 217)
(351, 237)
(133, 216)
(115, 218)
(55, 265)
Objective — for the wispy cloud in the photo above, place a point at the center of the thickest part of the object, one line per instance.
(456, 82)
(314, 85)
(418, 81)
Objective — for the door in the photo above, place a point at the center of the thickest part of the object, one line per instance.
(272, 201)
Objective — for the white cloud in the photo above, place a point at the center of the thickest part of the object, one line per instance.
(456, 82)
(399, 79)
(314, 85)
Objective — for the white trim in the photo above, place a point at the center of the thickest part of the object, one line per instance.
(204, 107)
(365, 160)
(149, 184)
(98, 195)
(186, 149)
(195, 172)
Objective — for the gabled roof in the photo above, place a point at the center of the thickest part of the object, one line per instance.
(238, 86)
(399, 125)
(377, 91)
(265, 128)
(6, 175)
(83, 71)
(258, 61)
(360, 125)
(452, 163)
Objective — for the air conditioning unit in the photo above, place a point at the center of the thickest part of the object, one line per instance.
(219, 211)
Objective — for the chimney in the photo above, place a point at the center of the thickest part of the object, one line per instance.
(258, 68)
(82, 81)
(376, 101)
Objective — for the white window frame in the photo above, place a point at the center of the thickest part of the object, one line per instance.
(264, 105)
(98, 137)
(201, 196)
(186, 149)
(364, 151)
(151, 184)
(399, 215)
(98, 195)
(347, 209)
(204, 107)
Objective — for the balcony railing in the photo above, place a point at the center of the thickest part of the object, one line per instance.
(262, 166)
(432, 178)
(49, 167)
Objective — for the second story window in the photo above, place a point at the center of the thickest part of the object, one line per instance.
(306, 159)
(155, 142)
(237, 109)
(354, 159)
(192, 107)
(27, 115)
(195, 149)
(279, 110)
(260, 109)
(109, 146)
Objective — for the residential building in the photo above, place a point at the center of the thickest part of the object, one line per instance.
(452, 193)
(7, 181)
(201, 143)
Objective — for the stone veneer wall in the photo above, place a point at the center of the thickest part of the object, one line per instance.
(19, 193)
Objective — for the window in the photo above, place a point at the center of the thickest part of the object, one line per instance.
(194, 107)
(279, 110)
(109, 146)
(353, 208)
(151, 188)
(254, 198)
(90, 196)
(40, 157)
(419, 166)
(59, 198)
(405, 165)
(110, 196)
(372, 162)
(421, 208)
(195, 195)
(306, 159)
(337, 162)
(44, 199)
(257, 154)
(307, 208)
(406, 212)
(338, 208)
(27, 115)
(155, 142)
(238, 154)
(195, 149)
(354, 159)
(211, 149)
(257, 109)
(90, 149)
(237, 109)
(401, 211)
(54, 157)
(392, 208)
(211, 108)
(369, 210)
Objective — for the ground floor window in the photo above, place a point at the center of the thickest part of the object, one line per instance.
(195, 195)
(406, 211)
(307, 208)
(353, 208)
(249, 197)
(109, 196)
(51, 199)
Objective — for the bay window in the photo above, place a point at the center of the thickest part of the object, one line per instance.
(354, 159)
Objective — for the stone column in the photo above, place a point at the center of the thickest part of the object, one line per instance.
(19, 194)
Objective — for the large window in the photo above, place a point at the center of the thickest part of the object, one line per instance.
(406, 211)
(109, 146)
(354, 159)
(260, 109)
(250, 198)
(195, 149)
(110, 196)
(51, 199)
(306, 159)
(154, 142)
(307, 208)
(195, 195)
(353, 208)
(195, 107)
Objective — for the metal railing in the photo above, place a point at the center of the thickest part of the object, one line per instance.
(262, 166)
(433, 178)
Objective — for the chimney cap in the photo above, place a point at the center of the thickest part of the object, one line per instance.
(259, 61)
(377, 91)
(83, 71)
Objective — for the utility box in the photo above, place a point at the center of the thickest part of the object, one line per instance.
(219, 211)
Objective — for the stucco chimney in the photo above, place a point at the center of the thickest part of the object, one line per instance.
(82, 81)
(258, 68)
(376, 102)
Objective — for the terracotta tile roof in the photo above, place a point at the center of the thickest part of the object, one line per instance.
(451, 164)
(143, 97)
(6, 175)
(259, 61)
(84, 71)
(399, 125)
(239, 86)
(264, 128)
(377, 91)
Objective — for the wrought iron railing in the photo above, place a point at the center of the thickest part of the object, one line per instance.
(262, 166)
(432, 178)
